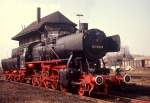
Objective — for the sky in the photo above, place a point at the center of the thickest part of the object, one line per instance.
(128, 18)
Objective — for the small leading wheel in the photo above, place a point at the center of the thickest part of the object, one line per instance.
(81, 90)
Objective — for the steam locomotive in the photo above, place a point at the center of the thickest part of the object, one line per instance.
(71, 62)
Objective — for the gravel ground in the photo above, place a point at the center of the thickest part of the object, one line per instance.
(20, 93)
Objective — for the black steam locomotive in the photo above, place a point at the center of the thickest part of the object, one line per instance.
(69, 62)
(91, 45)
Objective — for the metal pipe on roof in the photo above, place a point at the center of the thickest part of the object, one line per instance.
(38, 14)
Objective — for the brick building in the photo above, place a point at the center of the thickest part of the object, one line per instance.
(55, 23)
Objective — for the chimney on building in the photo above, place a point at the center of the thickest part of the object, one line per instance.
(83, 27)
(38, 14)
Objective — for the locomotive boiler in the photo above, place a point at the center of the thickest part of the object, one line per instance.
(92, 45)
(70, 63)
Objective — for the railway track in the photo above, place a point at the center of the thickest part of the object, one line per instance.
(128, 100)
(99, 98)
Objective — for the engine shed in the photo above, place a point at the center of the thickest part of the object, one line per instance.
(45, 27)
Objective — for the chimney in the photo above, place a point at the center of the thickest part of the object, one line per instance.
(83, 27)
(38, 14)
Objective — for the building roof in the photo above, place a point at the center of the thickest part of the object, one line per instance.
(141, 57)
(54, 18)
